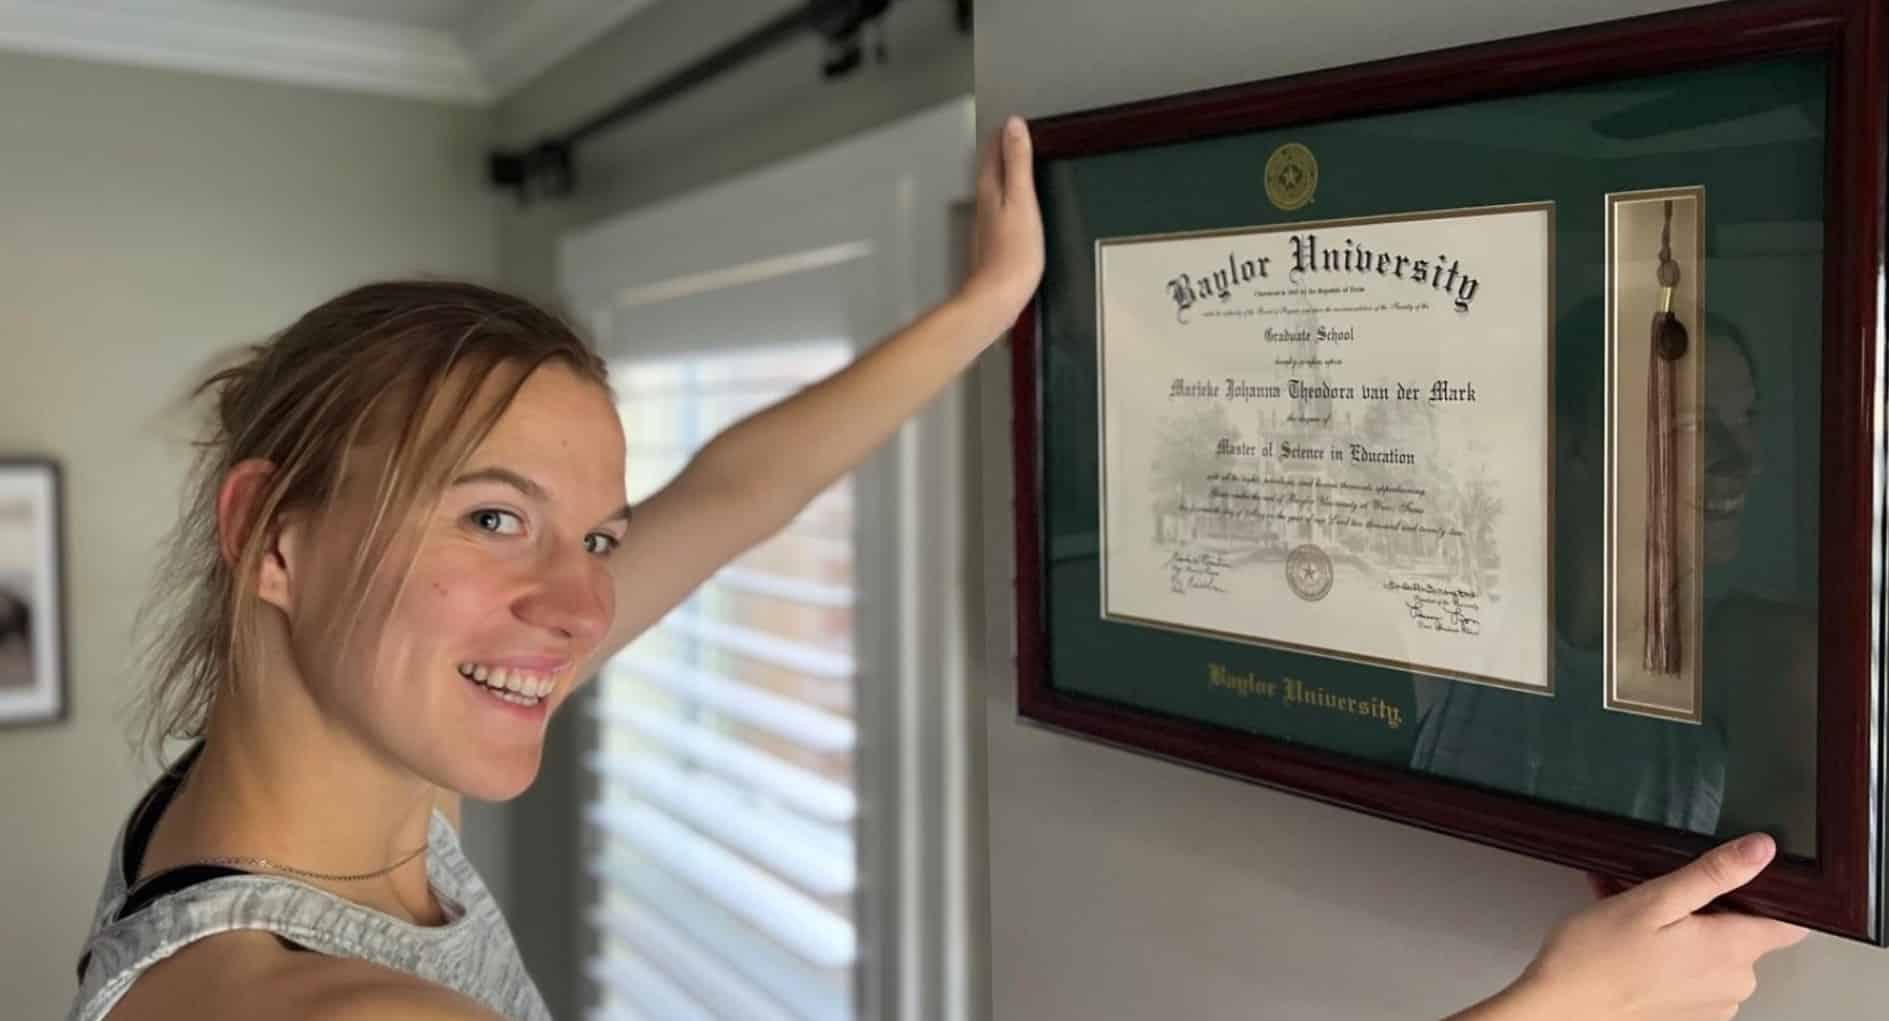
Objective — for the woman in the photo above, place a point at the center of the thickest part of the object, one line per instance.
(409, 544)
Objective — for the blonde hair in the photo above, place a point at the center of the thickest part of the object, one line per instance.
(404, 365)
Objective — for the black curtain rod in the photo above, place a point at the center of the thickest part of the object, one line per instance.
(545, 169)
(736, 53)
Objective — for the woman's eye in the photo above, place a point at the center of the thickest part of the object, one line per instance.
(600, 544)
(497, 522)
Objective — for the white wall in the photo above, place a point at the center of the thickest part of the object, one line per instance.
(1125, 888)
(148, 221)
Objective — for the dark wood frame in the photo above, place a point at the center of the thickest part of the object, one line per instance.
(63, 683)
(1843, 892)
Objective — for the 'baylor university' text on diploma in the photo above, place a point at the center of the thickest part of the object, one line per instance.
(1334, 437)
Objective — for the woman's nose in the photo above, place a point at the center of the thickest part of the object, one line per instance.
(1727, 450)
(573, 600)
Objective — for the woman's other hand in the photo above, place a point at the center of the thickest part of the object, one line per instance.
(1651, 953)
(1007, 253)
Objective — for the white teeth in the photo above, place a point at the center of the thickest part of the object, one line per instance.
(522, 686)
(513, 699)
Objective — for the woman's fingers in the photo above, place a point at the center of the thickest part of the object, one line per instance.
(1019, 167)
(1749, 937)
(990, 177)
(1718, 872)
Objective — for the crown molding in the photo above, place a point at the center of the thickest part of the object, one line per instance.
(500, 52)
(250, 42)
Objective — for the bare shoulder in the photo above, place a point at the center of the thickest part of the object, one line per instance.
(230, 975)
(358, 991)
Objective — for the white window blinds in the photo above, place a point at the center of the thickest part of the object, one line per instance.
(723, 831)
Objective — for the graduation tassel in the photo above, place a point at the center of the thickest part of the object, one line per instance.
(1669, 344)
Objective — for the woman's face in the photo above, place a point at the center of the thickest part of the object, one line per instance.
(1730, 424)
(455, 676)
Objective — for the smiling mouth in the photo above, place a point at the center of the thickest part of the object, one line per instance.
(510, 684)
(1721, 504)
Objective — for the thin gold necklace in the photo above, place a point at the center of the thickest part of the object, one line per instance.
(307, 874)
(186, 761)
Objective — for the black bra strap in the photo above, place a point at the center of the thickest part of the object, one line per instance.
(144, 819)
(150, 809)
(171, 881)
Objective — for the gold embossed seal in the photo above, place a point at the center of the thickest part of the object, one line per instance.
(1309, 573)
(1291, 176)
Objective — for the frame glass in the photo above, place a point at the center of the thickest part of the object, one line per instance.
(1487, 439)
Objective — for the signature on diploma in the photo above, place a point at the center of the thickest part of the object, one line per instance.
(1189, 572)
(1443, 608)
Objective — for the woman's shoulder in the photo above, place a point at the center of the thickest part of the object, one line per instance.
(232, 974)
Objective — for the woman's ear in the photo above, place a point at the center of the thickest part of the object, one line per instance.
(238, 501)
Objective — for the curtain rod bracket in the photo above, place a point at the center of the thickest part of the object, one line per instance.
(541, 172)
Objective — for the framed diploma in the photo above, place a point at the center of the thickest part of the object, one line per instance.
(1489, 440)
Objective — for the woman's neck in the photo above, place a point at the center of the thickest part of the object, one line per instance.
(305, 794)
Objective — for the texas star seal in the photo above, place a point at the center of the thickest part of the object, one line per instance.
(1291, 176)
(1309, 573)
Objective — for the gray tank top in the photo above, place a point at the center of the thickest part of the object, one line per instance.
(473, 953)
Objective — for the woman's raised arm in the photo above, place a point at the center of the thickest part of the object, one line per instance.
(749, 481)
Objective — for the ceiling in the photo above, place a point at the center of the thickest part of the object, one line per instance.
(459, 51)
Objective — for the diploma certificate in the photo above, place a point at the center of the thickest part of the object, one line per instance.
(1334, 437)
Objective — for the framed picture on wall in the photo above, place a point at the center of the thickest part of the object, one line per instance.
(1489, 440)
(32, 618)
